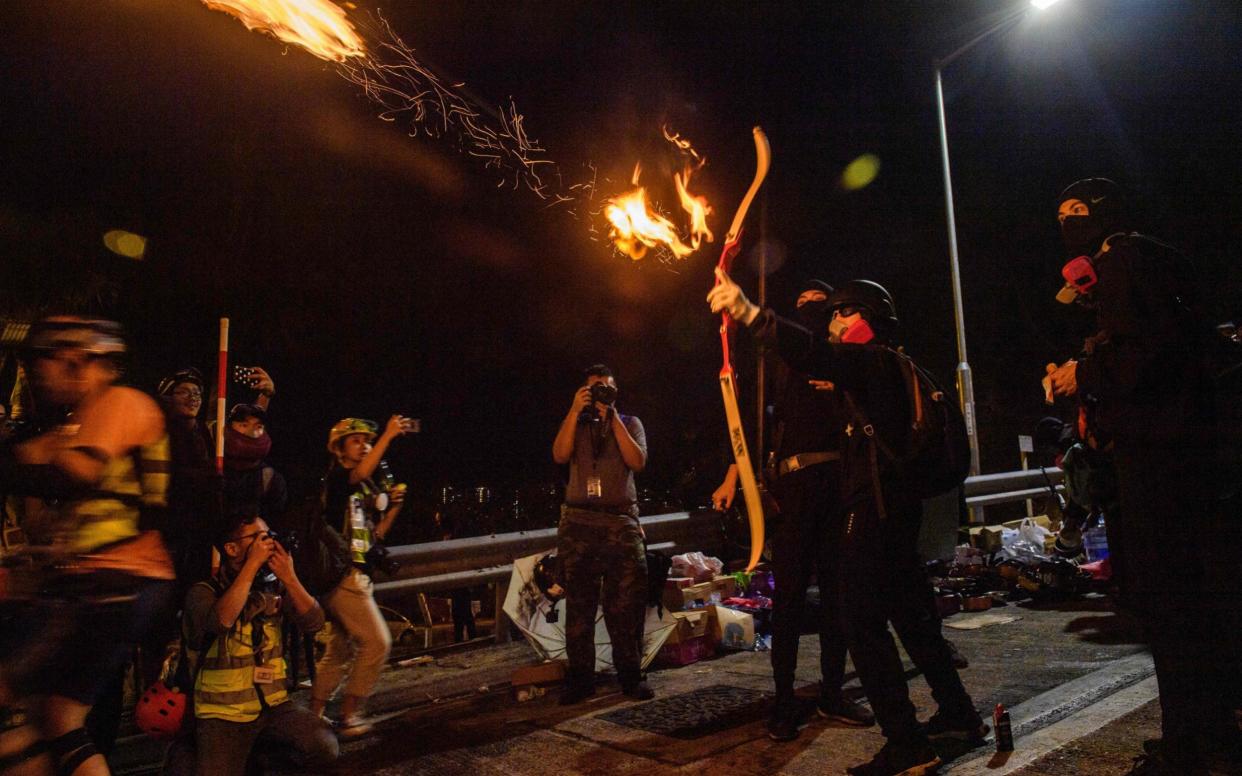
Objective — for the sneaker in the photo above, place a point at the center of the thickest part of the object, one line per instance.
(783, 721)
(970, 729)
(353, 726)
(915, 759)
(639, 692)
(842, 710)
(576, 693)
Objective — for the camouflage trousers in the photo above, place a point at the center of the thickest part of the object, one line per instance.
(602, 553)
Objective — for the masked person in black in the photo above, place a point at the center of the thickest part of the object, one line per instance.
(810, 420)
(1146, 381)
(881, 579)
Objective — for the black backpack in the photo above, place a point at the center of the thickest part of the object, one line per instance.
(934, 458)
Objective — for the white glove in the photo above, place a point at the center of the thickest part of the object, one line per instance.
(727, 297)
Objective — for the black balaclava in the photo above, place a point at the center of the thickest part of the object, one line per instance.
(1105, 203)
(815, 315)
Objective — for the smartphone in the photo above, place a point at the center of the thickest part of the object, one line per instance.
(244, 375)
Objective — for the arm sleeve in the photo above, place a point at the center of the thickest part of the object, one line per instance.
(40, 480)
(809, 354)
(196, 617)
(311, 621)
(1143, 327)
(639, 434)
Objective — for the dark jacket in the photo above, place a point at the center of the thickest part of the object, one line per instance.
(1147, 365)
(871, 376)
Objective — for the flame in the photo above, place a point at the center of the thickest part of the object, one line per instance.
(636, 226)
(319, 26)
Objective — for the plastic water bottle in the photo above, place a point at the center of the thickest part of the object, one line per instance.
(1095, 542)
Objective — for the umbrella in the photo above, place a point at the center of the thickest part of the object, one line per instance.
(528, 607)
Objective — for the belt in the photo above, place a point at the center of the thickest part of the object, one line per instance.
(795, 462)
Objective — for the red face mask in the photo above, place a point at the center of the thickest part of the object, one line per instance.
(857, 333)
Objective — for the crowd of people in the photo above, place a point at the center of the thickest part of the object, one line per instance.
(135, 539)
(134, 535)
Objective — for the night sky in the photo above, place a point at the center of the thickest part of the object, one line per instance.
(372, 272)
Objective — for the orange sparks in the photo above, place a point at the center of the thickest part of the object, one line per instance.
(319, 26)
(636, 226)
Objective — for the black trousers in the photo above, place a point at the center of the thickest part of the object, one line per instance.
(882, 581)
(806, 543)
(1181, 552)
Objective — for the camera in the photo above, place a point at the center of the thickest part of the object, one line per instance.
(380, 560)
(602, 393)
(286, 539)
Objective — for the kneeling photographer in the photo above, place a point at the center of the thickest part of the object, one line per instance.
(232, 627)
(599, 540)
(361, 504)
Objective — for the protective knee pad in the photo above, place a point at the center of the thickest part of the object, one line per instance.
(71, 750)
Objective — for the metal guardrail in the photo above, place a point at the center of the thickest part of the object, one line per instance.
(448, 565)
(1007, 487)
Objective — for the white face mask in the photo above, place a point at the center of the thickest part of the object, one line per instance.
(836, 330)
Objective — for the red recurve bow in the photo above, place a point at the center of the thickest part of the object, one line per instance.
(728, 380)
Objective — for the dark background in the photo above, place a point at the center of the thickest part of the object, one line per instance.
(374, 272)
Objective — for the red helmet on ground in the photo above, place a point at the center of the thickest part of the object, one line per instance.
(160, 711)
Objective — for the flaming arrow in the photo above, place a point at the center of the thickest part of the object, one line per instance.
(728, 380)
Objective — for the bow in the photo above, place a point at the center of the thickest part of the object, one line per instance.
(728, 380)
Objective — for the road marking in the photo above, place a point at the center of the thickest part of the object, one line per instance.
(1031, 747)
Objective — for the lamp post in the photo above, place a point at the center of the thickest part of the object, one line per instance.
(965, 385)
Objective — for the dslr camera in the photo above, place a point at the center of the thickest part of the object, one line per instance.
(602, 393)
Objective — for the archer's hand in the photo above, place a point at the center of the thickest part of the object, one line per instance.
(1064, 378)
(722, 497)
(822, 385)
(727, 297)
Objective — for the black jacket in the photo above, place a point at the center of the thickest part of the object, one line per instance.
(871, 376)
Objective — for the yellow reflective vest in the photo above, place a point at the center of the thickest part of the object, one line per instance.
(110, 512)
(226, 687)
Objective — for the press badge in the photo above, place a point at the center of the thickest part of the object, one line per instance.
(264, 674)
(595, 487)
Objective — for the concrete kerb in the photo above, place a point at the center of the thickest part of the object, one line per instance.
(1068, 712)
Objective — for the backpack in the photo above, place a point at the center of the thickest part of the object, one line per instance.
(935, 457)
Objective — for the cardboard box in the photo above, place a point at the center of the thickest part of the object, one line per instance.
(726, 586)
(549, 672)
(732, 628)
(677, 597)
(683, 653)
(690, 625)
(986, 537)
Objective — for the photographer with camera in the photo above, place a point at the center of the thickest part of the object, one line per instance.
(599, 539)
(362, 510)
(232, 628)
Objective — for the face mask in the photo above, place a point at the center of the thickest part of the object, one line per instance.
(1081, 235)
(814, 315)
(245, 452)
(857, 333)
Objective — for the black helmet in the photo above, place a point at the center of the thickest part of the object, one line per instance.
(874, 300)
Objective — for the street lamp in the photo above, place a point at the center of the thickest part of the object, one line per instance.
(965, 386)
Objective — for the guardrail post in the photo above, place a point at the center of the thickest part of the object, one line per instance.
(501, 634)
